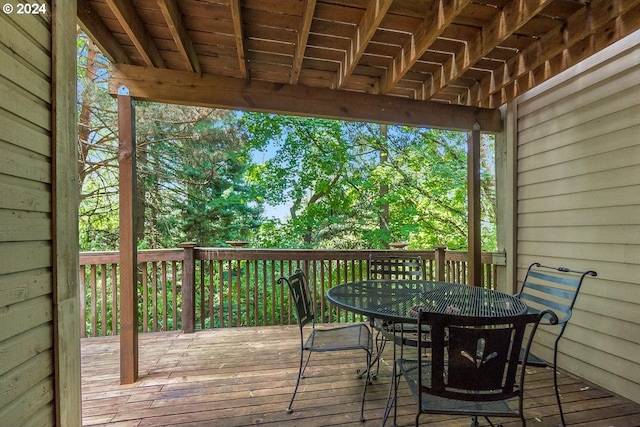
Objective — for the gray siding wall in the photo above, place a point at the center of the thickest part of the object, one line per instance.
(27, 373)
(578, 205)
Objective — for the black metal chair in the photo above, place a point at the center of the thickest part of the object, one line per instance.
(472, 369)
(556, 289)
(385, 267)
(406, 267)
(325, 339)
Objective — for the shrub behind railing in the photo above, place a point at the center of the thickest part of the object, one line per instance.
(235, 287)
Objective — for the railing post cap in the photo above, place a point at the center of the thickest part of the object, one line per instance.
(188, 245)
(440, 248)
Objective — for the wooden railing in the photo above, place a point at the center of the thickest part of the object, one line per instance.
(201, 288)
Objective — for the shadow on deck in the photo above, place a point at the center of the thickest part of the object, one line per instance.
(245, 376)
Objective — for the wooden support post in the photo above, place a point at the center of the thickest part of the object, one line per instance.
(64, 249)
(128, 249)
(440, 262)
(473, 191)
(188, 288)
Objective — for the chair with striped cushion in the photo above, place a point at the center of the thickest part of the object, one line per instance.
(555, 289)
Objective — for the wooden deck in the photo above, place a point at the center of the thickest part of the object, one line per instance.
(245, 376)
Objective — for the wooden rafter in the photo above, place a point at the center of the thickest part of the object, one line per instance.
(431, 27)
(171, 12)
(369, 23)
(507, 21)
(236, 16)
(464, 52)
(93, 27)
(560, 39)
(128, 17)
(179, 87)
(303, 36)
(620, 27)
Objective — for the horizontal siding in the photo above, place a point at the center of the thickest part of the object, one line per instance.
(26, 289)
(20, 163)
(37, 399)
(28, 41)
(24, 377)
(20, 133)
(578, 205)
(20, 349)
(23, 225)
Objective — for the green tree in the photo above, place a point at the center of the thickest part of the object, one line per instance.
(352, 185)
(191, 164)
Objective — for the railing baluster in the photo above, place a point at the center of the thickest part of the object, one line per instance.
(83, 301)
(239, 282)
(174, 291)
(205, 303)
(221, 292)
(145, 298)
(114, 299)
(256, 294)
(103, 299)
(238, 294)
(212, 294)
(154, 295)
(163, 279)
(94, 297)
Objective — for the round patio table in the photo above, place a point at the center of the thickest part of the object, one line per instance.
(399, 300)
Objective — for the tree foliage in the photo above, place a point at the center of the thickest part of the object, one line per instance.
(341, 194)
(191, 164)
(214, 175)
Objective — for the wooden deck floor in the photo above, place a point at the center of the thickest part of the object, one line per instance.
(245, 376)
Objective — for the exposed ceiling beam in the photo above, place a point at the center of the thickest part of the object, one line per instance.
(180, 87)
(236, 16)
(501, 86)
(303, 36)
(431, 27)
(92, 25)
(367, 27)
(173, 17)
(506, 22)
(128, 17)
(619, 27)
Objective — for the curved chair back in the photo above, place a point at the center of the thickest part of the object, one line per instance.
(472, 359)
(553, 288)
(406, 267)
(301, 295)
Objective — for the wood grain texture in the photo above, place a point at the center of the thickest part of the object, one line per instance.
(245, 376)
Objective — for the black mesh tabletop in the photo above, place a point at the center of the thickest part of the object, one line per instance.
(399, 300)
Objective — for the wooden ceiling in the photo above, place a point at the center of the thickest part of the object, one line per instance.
(345, 56)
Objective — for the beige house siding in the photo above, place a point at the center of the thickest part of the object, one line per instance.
(37, 127)
(578, 205)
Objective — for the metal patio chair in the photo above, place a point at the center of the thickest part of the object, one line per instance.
(555, 289)
(325, 339)
(472, 369)
(402, 267)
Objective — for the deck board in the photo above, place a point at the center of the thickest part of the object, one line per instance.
(245, 376)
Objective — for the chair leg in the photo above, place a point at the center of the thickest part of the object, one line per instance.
(555, 382)
(304, 368)
(391, 397)
(364, 389)
(289, 410)
(381, 342)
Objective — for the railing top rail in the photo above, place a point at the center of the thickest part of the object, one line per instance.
(144, 255)
(298, 254)
(204, 253)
